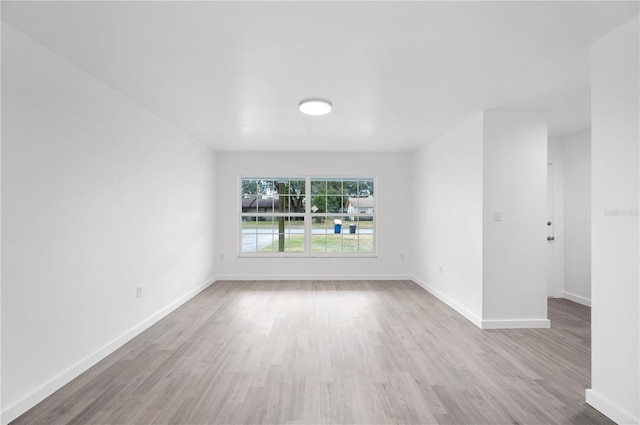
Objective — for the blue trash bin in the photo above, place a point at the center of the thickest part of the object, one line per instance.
(337, 226)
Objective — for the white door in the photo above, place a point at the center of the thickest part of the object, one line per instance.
(551, 263)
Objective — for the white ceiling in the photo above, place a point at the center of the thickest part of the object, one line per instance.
(398, 73)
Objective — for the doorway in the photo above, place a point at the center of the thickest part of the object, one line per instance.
(553, 228)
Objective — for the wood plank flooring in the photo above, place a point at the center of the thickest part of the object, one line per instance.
(333, 352)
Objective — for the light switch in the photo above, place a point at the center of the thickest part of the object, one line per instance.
(497, 216)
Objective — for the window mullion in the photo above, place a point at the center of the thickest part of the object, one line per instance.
(307, 216)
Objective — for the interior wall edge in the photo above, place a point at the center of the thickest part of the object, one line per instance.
(43, 391)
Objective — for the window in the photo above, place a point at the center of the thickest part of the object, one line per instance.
(307, 216)
(339, 224)
(272, 215)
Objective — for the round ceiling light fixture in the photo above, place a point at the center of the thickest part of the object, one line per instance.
(315, 107)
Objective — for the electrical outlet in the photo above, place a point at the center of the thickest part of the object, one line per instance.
(139, 292)
(497, 215)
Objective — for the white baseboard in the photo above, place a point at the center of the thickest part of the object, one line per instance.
(314, 277)
(38, 394)
(610, 409)
(484, 324)
(448, 301)
(517, 324)
(575, 298)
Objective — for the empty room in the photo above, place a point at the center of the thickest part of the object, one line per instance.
(320, 212)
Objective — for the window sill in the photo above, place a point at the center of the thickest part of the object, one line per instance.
(302, 255)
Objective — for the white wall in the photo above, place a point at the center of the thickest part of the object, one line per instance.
(1, 415)
(393, 225)
(515, 184)
(492, 272)
(614, 248)
(577, 217)
(99, 197)
(447, 188)
(554, 149)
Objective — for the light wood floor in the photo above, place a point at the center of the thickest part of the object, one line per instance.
(367, 352)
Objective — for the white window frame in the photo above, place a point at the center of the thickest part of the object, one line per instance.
(308, 217)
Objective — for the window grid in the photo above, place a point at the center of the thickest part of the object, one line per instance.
(312, 206)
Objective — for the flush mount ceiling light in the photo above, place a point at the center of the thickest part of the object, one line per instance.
(315, 107)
